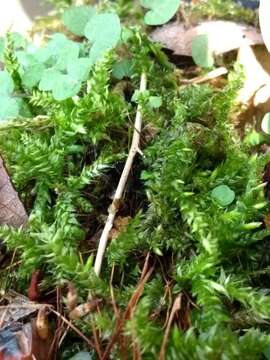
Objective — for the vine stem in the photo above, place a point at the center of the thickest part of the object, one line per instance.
(113, 209)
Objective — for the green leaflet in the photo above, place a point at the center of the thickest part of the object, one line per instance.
(223, 195)
(6, 83)
(9, 107)
(155, 102)
(66, 87)
(79, 69)
(62, 86)
(75, 18)
(122, 69)
(201, 53)
(161, 11)
(104, 31)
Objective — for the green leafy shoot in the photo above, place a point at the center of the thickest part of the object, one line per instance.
(201, 53)
(160, 11)
(75, 18)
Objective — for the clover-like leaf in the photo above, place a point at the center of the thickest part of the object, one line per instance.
(201, 53)
(266, 123)
(122, 69)
(155, 102)
(49, 79)
(161, 11)
(6, 83)
(75, 18)
(65, 87)
(79, 69)
(32, 75)
(9, 107)
(104, 31)
(223, 195)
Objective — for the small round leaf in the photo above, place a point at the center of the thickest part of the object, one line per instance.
(161, 11)
(6, 83)
(223, 195)
(201, 53)
(75, 18)
(9, 107)
(104, 31)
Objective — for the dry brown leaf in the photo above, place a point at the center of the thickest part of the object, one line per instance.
(223, 36)
(84, 309)
(12, 211)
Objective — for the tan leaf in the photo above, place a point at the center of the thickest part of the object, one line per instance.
(12, 211)
(223, 36)
(256, 65)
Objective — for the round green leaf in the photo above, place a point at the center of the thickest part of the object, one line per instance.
(155, 102)
(9, 107)
(75, 18)
(122, 69)
(79, 69)
(32, 75)
(161, 11)
(223, 195)
(266, 123)
(201, 53)
(104, 31)
(49, 79)
(6, 83)
(65, 87)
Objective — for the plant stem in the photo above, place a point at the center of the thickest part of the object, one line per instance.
(113, 209)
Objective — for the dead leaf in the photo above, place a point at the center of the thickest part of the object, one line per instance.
(84, 309)
(42, 324)
(12, 211)
(120, 225)
(264, 16)
(72, 297)
(223, 36)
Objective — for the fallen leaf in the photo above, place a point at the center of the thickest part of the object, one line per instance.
(12, 211)
(264, 16)
(84, 309)
(223, 36)
(254, 60)
(42, 324)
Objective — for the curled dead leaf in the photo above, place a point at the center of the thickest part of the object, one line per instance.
(12, 211)
(84, 309)
(223, 36)
(72, 297)
(42, 324)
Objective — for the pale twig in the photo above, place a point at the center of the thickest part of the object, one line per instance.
(206, 77)
(113, 209)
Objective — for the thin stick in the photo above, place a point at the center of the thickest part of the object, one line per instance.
(113, 209)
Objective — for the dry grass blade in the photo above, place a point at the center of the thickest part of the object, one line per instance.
(113, 209)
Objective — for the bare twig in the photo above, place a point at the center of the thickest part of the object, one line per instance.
(207, 77)
(134, 149)
(175, 308)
